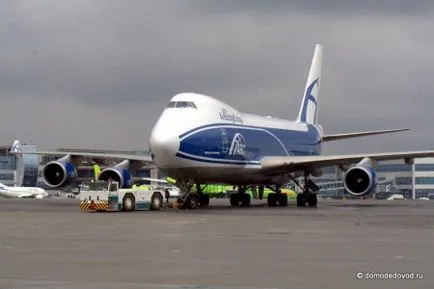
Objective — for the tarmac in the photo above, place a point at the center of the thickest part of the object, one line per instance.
(50, 243)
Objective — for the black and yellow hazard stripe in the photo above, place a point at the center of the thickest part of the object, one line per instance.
(84, 206)
(100, 206)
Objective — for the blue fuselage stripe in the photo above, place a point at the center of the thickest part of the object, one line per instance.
(243, 145)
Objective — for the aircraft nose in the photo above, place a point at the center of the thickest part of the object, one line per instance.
(163, 147)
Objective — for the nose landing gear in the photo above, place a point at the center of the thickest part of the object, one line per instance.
(189, 200)
(241, 198)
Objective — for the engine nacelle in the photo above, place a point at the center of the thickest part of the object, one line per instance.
(59, 173)
(117, 174)
(360, 180)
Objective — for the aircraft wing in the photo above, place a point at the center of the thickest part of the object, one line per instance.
(120, 156)
(281, 165)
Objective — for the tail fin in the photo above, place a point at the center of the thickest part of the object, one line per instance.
(16, 146)
(309, 106)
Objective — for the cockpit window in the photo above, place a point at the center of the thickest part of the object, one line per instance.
(181, 104)
(172, 104)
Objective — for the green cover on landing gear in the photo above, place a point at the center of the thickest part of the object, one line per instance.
(215, 190)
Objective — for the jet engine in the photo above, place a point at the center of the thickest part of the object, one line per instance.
(118, 173)
(361, 179)
(59, 173)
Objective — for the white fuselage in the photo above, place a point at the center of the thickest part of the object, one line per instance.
(201, 138)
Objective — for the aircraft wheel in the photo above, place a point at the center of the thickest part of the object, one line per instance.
(312, 200)
(272, 199)
(128, 203)
(235, 200)
(283, 200)
(245, 200)
(191, 202)
(156, 201)
(203, 200)
(301, 200)
(180, 204)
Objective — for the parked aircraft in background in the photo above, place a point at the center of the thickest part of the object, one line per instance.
(22, 192)
(201, 140)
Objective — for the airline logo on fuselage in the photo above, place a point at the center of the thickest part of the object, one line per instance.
(238, 145)
(225, 115)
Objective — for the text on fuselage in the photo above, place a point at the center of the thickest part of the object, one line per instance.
(225, 115)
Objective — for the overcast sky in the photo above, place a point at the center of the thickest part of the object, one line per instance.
(97, 74)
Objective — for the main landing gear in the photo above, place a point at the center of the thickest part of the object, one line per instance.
(240, 198)
(308, 197)
(277, 198)
(203, 198)
(190, 200)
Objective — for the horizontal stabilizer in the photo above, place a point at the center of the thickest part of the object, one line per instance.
(332, 137)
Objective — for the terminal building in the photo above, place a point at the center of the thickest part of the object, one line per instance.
(18, 170)
(395, 177)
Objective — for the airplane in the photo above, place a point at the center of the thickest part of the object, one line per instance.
(199, 139)
(22, 192)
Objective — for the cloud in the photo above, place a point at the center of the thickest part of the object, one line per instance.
(70, 69)
(332, 7)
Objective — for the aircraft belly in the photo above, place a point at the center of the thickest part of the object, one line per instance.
(226, 175)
